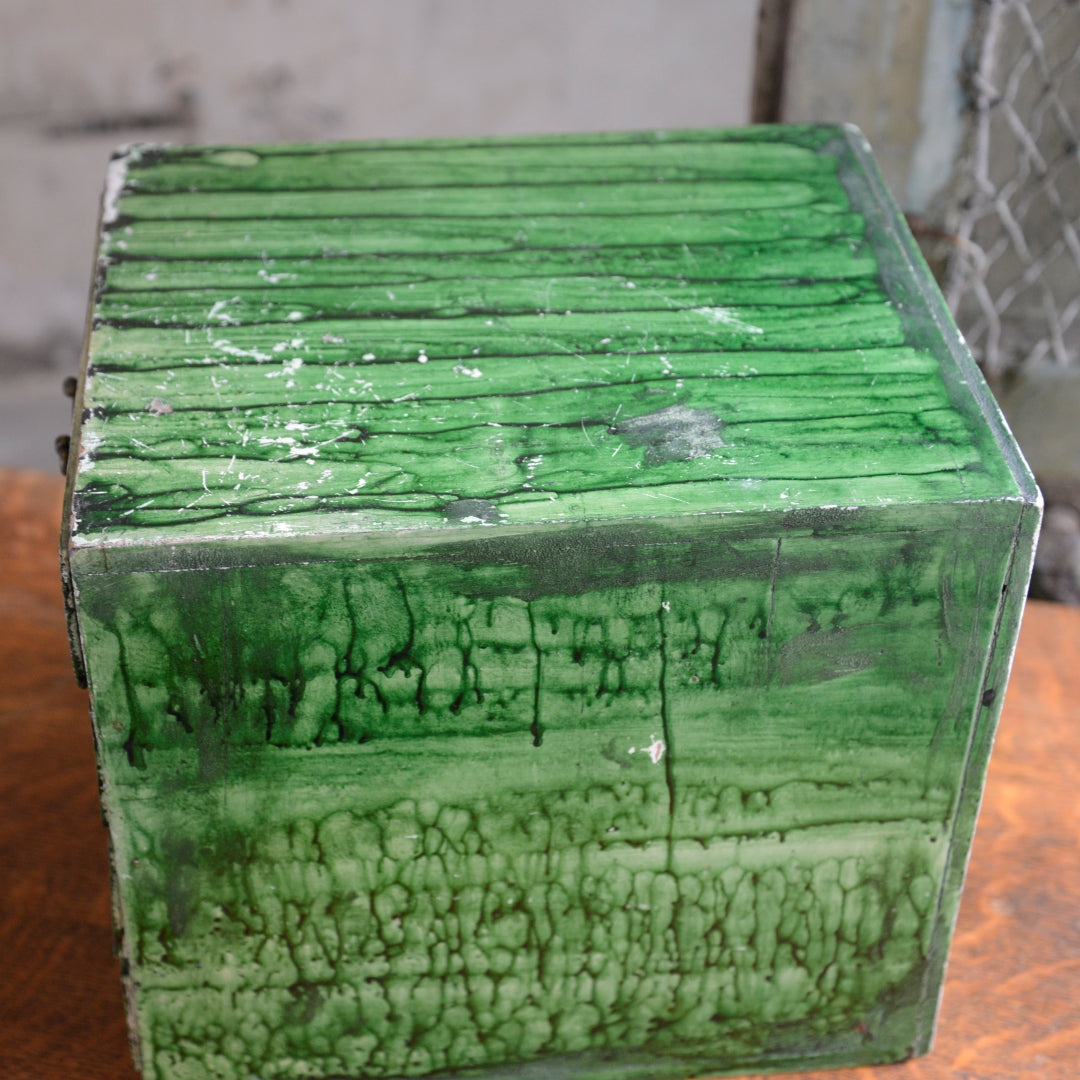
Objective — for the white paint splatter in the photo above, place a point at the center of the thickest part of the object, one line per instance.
(288, 367)
(655, 749)
(91, 440)
(727, 317)
(218, 312)
(115, 179)
(274, 279)
(225, 346)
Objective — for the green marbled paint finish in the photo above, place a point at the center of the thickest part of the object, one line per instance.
(546, 604)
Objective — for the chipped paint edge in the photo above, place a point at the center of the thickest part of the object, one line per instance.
(116, 177)
(116, 180)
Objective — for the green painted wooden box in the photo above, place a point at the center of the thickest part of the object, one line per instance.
(546, 604)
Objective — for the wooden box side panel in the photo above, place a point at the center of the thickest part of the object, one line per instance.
(989, 699)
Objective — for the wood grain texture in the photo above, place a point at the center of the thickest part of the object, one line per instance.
(428, 323)
(1012, 996)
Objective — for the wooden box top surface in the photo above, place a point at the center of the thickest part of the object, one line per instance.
(387, 337)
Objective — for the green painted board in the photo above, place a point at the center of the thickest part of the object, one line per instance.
(546, 603)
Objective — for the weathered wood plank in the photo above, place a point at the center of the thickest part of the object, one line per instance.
(334, 375)
(468, 296)
(860, 324)
(433, 235)
(484, 163)
(517, 201)
(791, 260)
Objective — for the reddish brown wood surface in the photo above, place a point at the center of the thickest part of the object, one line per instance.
(1012, 997)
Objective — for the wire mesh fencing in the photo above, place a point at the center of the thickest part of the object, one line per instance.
(1013, 279)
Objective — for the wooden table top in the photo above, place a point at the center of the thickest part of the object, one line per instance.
(1012, 995)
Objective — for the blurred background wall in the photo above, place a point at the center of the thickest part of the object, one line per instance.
(78, 79)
